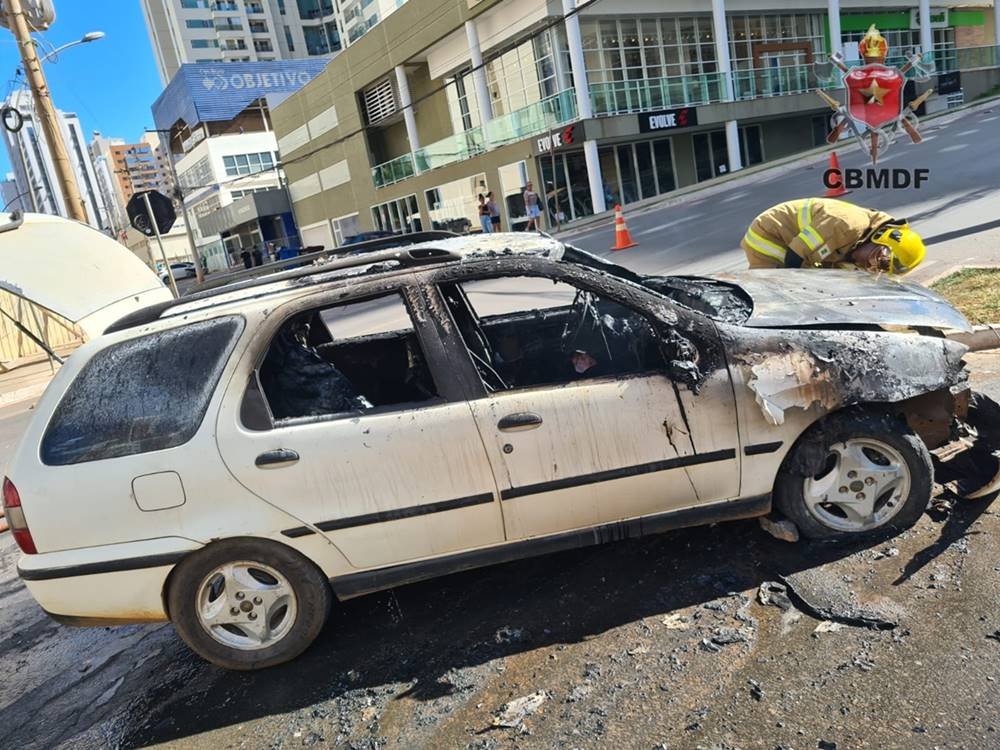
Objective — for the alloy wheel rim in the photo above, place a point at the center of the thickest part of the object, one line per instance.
(863, 484)
(246, 605)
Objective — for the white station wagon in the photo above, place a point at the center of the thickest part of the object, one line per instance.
(234, 459)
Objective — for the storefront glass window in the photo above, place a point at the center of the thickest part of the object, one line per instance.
(454, 206)
(513, 178)
(644, 158)
(664, 165)
(626, 168)
(400, 215)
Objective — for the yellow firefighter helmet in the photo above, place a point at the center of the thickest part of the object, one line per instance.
(907, 248)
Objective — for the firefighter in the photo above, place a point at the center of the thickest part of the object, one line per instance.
(827, 233)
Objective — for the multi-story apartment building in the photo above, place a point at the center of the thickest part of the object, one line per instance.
(226, 154)
(35, 172)
(199, 31)
(597, 102)
(107, 181)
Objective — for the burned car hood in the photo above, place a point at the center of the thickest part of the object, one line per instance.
(787, 298)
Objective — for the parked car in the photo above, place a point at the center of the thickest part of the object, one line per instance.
(179, 271)
(234, 459)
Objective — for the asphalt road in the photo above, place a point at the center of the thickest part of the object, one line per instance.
(955, 210)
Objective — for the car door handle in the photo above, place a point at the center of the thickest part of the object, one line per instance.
(276, 459)
(522, 420)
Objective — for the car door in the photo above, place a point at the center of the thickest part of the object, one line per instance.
(578, 440)
(346, 418)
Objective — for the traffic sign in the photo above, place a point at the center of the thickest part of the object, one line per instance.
(163, 211)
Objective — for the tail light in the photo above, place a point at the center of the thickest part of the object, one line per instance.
(15, 517)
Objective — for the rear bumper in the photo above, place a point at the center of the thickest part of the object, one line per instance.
(109, 585)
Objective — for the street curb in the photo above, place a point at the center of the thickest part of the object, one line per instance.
(736, 179)
(980, 338)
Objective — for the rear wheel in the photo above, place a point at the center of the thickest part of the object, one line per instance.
(248, 603)
(855, 473)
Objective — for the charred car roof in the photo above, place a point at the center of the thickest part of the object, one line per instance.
(341, 269)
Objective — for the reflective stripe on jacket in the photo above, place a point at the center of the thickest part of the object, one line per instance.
(821, 231)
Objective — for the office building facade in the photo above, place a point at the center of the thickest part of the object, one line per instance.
(217, 128)
(597, 103)
(205, 31)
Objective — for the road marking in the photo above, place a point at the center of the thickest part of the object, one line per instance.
(929, 138)
(669, 224)
(956, 147)
(968, 132)
(990, 119)
(736, 197)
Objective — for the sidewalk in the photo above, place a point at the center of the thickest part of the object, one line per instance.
(26, 382)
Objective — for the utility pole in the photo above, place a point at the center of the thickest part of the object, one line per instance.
(159, 241)
(18, 25)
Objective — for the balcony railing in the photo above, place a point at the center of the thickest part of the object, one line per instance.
(449, 150)
(391, 172)
(514, 126)
(623, 97)
(535, 118)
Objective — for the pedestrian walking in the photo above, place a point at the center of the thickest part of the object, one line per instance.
(258, 256)
(484, 215)
(494, 211)
(531, 208)
(247, 258)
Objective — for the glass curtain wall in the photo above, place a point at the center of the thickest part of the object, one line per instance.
(518, 78)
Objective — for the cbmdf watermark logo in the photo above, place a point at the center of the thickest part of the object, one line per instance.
(875, 114)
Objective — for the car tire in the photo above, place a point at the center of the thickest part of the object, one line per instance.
(890, 486)
(214, 593)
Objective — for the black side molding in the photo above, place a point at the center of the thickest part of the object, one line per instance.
(625, 471)
(357, 584)
(106, 566)
(760, 448)
(392, 515)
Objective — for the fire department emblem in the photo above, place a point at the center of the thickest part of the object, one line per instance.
(874, 113)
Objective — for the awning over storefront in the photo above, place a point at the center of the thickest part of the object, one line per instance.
(246, 209)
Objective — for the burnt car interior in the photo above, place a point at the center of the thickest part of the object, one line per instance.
(344, 359)
(530, 344)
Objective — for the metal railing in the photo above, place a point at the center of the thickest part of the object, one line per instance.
(623, 97)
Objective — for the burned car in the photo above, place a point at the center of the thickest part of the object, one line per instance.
(234, 459)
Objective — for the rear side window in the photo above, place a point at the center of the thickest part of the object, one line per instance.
(144, 394)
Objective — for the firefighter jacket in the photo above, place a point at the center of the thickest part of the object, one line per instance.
(820, 231)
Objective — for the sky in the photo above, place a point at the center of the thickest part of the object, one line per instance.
(111, 83)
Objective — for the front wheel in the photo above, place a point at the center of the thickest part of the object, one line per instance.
(855, 473)
(248, 603)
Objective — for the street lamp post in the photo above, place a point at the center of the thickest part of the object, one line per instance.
(90, 36)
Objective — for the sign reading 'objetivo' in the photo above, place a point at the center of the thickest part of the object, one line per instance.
(222, 80)
(210, 92)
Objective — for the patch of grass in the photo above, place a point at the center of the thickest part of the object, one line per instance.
(974, 291)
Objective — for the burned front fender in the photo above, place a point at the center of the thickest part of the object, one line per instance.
(797, 369)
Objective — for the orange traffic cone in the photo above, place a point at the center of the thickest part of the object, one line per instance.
(623, 240)
(836, 179)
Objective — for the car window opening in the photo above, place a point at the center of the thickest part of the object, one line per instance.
(527, 332)
(347, 359)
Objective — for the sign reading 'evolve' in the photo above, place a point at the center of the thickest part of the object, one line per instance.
(667, 119)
